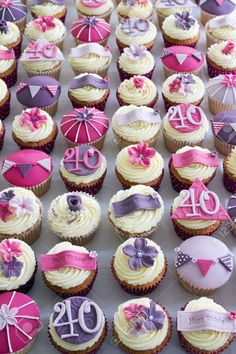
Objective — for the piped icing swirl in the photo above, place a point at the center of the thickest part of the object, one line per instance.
(47, 8)
(166, 9)
(171, 29)
(54, 32)
(222, 57)
(98, 9)
(222, 27)
(230, 162)
(136, 8)
(11, 36)
(138, 90)
(136, 60)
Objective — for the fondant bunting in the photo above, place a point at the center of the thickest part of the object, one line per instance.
(181, 58)
(25, 168)
(204, 265)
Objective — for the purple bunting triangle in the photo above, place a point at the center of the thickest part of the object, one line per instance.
(25, 168)
(182, 259)
(226, 261)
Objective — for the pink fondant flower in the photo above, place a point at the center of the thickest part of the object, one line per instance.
(45, 23)
(8, 249)
(22, 205)
(138, 82)
(6, 211)
(133, 311)
(141, 154)
(228, 49)
(232, 315)
(33, 118)
(175, 85)
(6, 3)
(229, 80)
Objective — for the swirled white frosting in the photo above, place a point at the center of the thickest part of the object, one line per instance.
(216, 55)
(32, 32)
(149, 36)
(3, 90)
(12, 35)
(171, 30)
(106, 7)
(231, 162)
(5, 64)
(225, 32)
(139, 67)
(166, 11)
(47, 9)
(88, 93)
(139, 9)
(130, 94)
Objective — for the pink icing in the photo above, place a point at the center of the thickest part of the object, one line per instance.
(93, 3)
(7, 54)
(195, 156)
(138, 82)
(189, 64)
(87, 33)
(229, 48)
(32, 160)
(185, 118)
(28, 321)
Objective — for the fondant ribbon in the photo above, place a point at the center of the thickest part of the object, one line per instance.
(195, 156)
(89, 48)
(7, 54)
(55, 2)
(90, 80)
(26, 167)
(224, 21)
(139, 114)
(71, 259)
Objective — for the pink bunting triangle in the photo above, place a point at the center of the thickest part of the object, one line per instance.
(52, 90)
(204, 265)
(217, 126)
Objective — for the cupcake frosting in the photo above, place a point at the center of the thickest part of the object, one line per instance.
(136, 8)
(3, 90)
(138, 90)
(47, 7)
(181, 26)
(7, 59)
(223, 126)
(94, 8)
(168, 8)
(47, 27)
(12, 11)
(136, 60)
(78, 222)
(223, 54)
(9, 33)
(90, 29)
(223, 27)
(218, 8)
(231, 162)
(136, 31)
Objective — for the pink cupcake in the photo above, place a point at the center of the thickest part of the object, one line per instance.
(221, 58)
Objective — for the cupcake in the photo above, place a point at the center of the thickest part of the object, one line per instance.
(21, 322)
(135, 60)
(229, 176)
(223, 127)
(89, 330)
(39, 91)
(83, 169)
(182, 88)
(221, 58)
(139, 164)
(8, 66)
(5, 97)
(69, 270)
(211, 338)
(130, 124)
(135, 9)
(18, 266)
(91, 30)
(48, 27)
(34, 129)
(55, 8)
(101, 9)
(90, 58)
(85, 126)
(30, 169)
(135, 212)
(220, 29)
(136, 31)
(42, 58)
(138, 90)
(10, 37)
(20, 215)
(182, 59)
(141, 326)
(14, 11)
(180, 29)
(165, 8)
(221, 93)
(74, 217)
(197, 211)
(203, 264)
(231, 210)
(139, 266)
(212, 8)
(89, 90)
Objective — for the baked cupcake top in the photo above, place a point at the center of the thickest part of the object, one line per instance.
(135, 123)
(135, 8)
(183, 88)
(12, 11)
(138, 90)
(32, 125)
(38, 91)
(134, 327)
(181, 26)
(83, 164)
(138, 261)
(84, 125)
(136, 31)
(215, 338)
(47, 27)
(9, 33)
(7, 59)
(191, 162)
(68, 266)
(166, 8)
(22, 321)
(47, 7)
(27, 168)
(204, 262)
(74, 214)
(91, 29)
(41, 55)
(198, 207)
(94, 7)
(139, 163)
(137, 209)
(222, 27)
(90, 56)
(3, 90)
(230, 162)
(20, 210)
(17, 263)
(218, 8)
(89, 87)
(223, 54)
(136, 60)
(182, 59)
(89, 327)
(231, 208)
(223, 126)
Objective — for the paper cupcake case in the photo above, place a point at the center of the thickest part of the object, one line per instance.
(155, 184)
(2, 135)
(122, 143)
(205, 17)
(99, 71)
(106, 16)
(121, 46)
(90, 188)
(210, 39)
(41, 188)
(168, 72)
(55, 73)
(223, 147)
(97, 104)
(214, 71)
(169, 42)
(50, 109)
(217, 107)
(10, 77)
(168, 103)
(122, 103)
(228, 180)
(185, 234)
(102, 42)
(124, 75)
(21, 24)
(5, 106)
(194, 290)
(174, 145)
(16, 47)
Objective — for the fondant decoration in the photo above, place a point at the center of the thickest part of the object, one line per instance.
(3, 26)
(42, 50)
(224, 126)
(141, 154)
(227, 262)
(55, 2)
(45, 23)
(136, 52)
(135, 202)
(25, 167)
(140, 254)
(74, 202)
(12, 268)
(10, 249)
(8, 54)
(184, 20)
(93, 3)
(162, 4)
(218, 7)
(33, 119)
(222, 88)
(195, 156)
(223, 21)
(204, 265)
(183, 84)
(82, 160)
(138, 82)
(182, 258)
(89, 80)
(165, 53)
(12, 10)
(135, 26)
(198, 203)
(182, 59)
(90, 48)
(90, 29)
(231, 208)
(229, 48)
(139, 114)
(185, 117)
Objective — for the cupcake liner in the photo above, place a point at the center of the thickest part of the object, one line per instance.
(106, 16)
(160, 19)
(184, 233)
(102, 42)
(11, 77)
(232, 228)
(98, 144)
(100, 104)
(55, 73)
(90, 188)
(41, 188)
(121, 46)
(2, 135)
(217, 107)
(168, 103)
(169, 42)
(28, 347)
(173, 145)
(124, 75)
(222, 147)
(77, 240)
(123, 103)
(50, 109)
(168, 72)
(59, 43)
(194, 290)
(122, 17)
(16, 47)
(99, 71)
(205, 17)
(21, 24)
(122, 143)
(210, 39)
(228, 179)
(214, 70)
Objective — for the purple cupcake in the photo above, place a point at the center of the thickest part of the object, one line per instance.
(214, 8)
(14, 11)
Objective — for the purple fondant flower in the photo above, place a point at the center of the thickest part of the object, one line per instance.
(184, 20)
(3, 26)
(154, 319)
(187, 79)
(137, 327)
(85, 115)
(22, 205)
(136, 52)
(140, 254)
(74, 202)
(7, 196)
(12, 268)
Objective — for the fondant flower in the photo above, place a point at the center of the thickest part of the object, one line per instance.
(22, 205)
(138, 82)
(128, 2)
(133, 311)
(174, 86)
(84, 115)
(33, 118)
(8, 249)
(229, 80)
(6, 3)
(141, 154)
(228, 49)
(6, 211)
(45, 23)
(90, 21)
(187, 79)
(154, 319)
(7, 316)
(7, 196)
(140, 254)
(232, 315)
(137, 327)
(136, 52)
(3, 26)
(74, 202)
(12, 268)
(184, 20)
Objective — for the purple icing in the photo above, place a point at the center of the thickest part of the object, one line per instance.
(135, 26)
(231, 207)
(154, 319)
(228, 131)
(74, 202)
(3, 26)
(184, 20)
(12, 10)
(212, 7)
(12, 268)
(89, 80)
(140, 254)
(43, 97)
(55, 2)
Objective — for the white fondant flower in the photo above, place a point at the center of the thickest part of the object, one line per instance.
(7, 316)
(22, 205)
